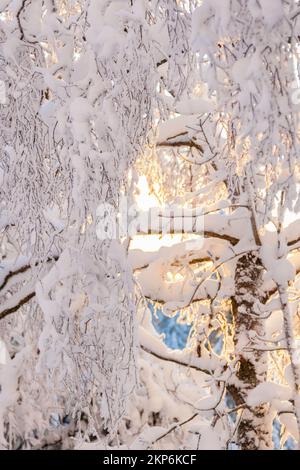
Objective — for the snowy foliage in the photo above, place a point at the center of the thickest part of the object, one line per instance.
(202, 100)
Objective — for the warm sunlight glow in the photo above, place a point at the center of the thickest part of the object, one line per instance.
(144, 199)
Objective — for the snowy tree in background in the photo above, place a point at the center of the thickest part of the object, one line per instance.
(201, 100)
(60, 160)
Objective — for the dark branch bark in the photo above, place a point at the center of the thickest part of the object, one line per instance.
(15, 308)
(180, 143)
(23, 269)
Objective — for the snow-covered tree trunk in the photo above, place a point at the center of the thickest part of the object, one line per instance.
(253, 430)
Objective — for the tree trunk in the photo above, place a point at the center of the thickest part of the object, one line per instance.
(253, 431)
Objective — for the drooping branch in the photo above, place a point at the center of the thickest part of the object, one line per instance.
(153, 346)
